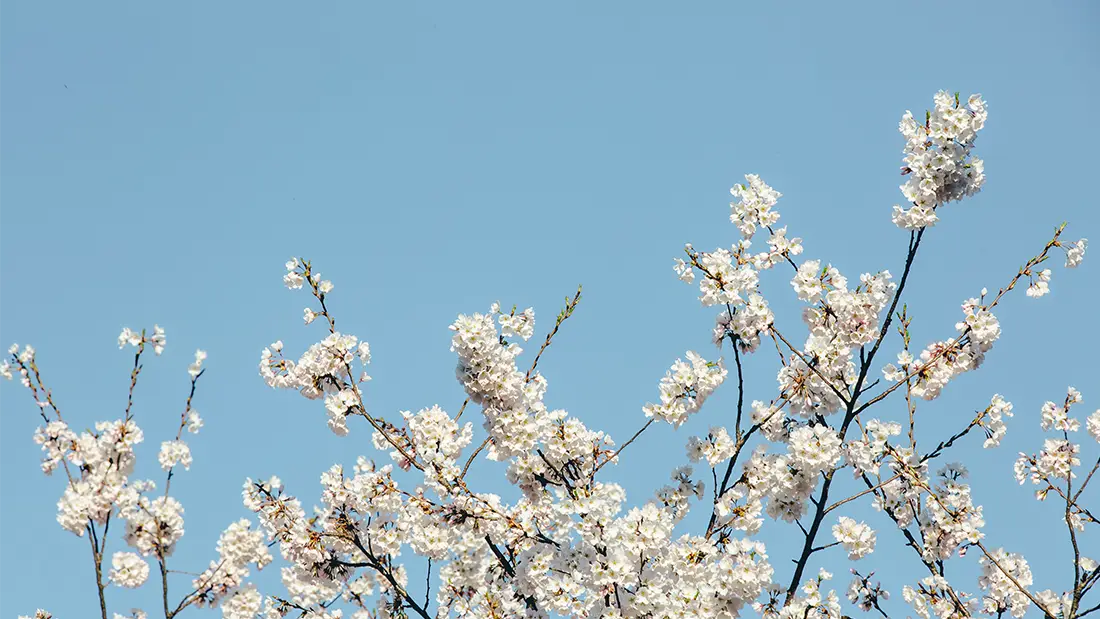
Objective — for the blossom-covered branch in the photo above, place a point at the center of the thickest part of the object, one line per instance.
(570, 544)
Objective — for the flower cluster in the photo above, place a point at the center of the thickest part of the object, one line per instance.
(324, 370)
(866, 454)
(732, 277)
(856, 537)
(951, 518)
(716, 447)
(128, 570)
(1002, 575)
(1059, 456)
(938, 159)
(685, 387)
(753, 206)
(993, 420)
(814, 448)
(935, 597)
(137, 339)
(173, 453)
(515, 416)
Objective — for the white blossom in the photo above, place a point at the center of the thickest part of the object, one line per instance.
(1001, 594)
(173, 453)
(128, 570)
(196, 368)
(685, 387)
(856, 537)
(194, 421)
(938, 162)
(1076, 253)
(752, 207)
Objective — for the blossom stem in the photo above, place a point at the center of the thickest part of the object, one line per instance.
(565, 313)
(860, 494)
(616, 453)
(97, 559)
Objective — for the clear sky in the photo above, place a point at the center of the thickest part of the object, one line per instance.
(162, 161)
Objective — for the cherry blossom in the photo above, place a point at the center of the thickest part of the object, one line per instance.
(128, 570)
(565, 541)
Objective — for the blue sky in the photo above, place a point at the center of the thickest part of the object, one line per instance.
(160, 163)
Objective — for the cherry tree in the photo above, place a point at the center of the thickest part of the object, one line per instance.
(571, 545)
